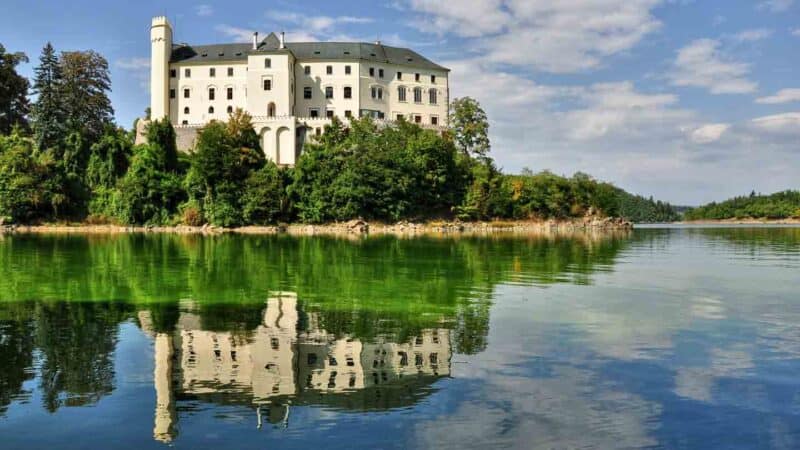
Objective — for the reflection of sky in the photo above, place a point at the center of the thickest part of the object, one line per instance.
(685, 343)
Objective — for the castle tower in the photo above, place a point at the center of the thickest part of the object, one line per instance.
(160, 51)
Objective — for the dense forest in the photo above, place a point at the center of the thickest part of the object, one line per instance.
(780, 205)
(62, 159)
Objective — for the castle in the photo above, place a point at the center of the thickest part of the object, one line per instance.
(291, 89)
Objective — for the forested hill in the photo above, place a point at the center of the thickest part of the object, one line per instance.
(780, 205)
(638, 209)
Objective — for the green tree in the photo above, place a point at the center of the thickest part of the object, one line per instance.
(24, 194)
(86, 83)
(49, 115)
(470, 126)
(264, 199)
(14, 105)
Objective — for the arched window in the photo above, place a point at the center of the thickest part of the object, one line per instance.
(211, 110)
(432, 96)
(186, 110)
(230, 109)
(401, 94)
(211, 93)
(271, 109)
(417, 95)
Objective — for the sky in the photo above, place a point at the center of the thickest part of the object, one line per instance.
(686, 100)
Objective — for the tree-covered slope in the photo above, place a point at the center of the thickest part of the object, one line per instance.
(780, 205)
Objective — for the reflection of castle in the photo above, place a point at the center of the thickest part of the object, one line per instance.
(278, 365)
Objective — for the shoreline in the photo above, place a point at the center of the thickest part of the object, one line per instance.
(739, 222)
(353, 227)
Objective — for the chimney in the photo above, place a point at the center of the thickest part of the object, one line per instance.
(255, 40)
(283, 39)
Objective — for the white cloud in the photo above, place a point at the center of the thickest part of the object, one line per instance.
(702, 64)
(708, 133)
(796, 32)
(755, 34)
(136, 63)
(775, 5)
(316, 24)
(238, 34)
(560, 37)
(204, 10)
(782, 96)
(785, 123)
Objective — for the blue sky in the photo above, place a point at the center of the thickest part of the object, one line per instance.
(688, 101)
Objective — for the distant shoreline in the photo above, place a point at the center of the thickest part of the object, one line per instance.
(740, 222)
(353, 227)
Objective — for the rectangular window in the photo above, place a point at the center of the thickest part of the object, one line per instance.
(380, 73)
(381, 115)
(267, 63)
(185, 122)
(313, 112)
(329, 70)
(400, 117)
(230, 93)
(230, 71)
(187, 73)
(329, 113)
(172, 93)
(348, 92)
(372, 71)
(417, 119)
(173, 73)
(417, 95)
(348, 113)
(306, 92)
(212, 72)
(433, 79)
(186, 93)
(434, 120)
(347, 70)
(211, 93)
(432, 96)
(307, 70)
(401, 94)
(399, 75)
(416, 77)
(267, 85)
(329, 92)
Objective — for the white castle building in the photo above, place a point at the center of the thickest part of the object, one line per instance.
(291, 89)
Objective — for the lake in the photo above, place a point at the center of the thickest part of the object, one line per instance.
(655, 338)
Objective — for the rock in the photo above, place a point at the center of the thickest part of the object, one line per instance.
(357, 226)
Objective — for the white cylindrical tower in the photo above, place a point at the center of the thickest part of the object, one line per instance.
(160, 51)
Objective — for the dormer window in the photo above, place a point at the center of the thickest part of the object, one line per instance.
(267, 63)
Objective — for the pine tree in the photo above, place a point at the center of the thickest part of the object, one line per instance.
(49, 115)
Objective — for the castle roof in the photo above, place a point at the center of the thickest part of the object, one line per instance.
(324, 51)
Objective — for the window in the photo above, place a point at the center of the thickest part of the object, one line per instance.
(377, 93)
(185, 122)
(348, 113)
(329, 92)
(380, 73)
(211, 110)
(230, 109)
(212, 72)
(401, 94)
(172, 93)
(173, 73)
(417, 119)
(186, 93)
(186, 110)
(307, 70)
(434, 120)
(230, 71)
(381, 115)
(329, 113)
(348, 92)
(372, 71)
(268, 85)
(400, 117)
(230, 93)
(271, 109)
(211, 93)
(416, 77)
(433, 79)
(347, 70)
(399, 75)
(417, 95)
(187, 72)
(329, 70)
(307, 92)
(267, 63)
(432, 96)
(313, 112)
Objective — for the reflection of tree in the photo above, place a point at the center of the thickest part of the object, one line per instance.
(754, 239)
(16, 350)
(77, 341)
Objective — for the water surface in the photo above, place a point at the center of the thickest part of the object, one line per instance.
(659, 338)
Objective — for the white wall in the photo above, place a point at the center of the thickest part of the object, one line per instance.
(318, 80)
(199, 83)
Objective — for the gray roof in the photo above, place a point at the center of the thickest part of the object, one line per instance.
(327, 51)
